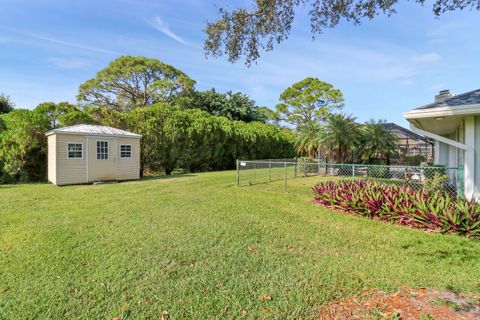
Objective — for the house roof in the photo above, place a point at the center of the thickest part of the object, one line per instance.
(467, 98)
(95, 130)
(407, 132)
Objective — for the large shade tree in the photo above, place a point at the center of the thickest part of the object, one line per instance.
(234, 106)
(131, 81)
(62, 114)
(308, 102)
(243, 32)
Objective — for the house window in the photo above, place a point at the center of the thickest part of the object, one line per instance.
(102, 150)
(125, 151)
(75, 151)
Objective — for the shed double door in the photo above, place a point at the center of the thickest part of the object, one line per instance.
(102, 159)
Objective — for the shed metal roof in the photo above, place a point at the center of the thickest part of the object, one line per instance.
(89, 129)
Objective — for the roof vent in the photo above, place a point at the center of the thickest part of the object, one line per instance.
(442, 95)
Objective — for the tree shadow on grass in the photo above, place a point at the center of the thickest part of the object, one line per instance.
(462, 254)
(165, 177)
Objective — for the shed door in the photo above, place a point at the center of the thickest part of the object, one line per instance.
(102, 159)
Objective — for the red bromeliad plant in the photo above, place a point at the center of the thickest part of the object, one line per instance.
(401, 204)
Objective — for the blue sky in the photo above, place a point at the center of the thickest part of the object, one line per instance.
(384, 67)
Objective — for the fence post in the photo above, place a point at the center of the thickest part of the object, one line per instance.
(353, 171)
(285, 176)
(270, 169)
(295, 168)
(238, 175)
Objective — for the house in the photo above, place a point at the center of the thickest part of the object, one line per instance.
(409, 144)
(89, 153)
(453, 122)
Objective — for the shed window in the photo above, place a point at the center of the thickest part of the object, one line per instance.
(125, 151)
(75, 151)
(102, 150)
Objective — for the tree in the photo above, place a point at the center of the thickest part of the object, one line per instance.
(377, 141)
(308, 102)
(234, 106)
(62, 114)
(244, 33)
(195, 140)
(268, 115)
(23, 145)
(340, 137)
(6, 105)
(309, 142)
(129, 82)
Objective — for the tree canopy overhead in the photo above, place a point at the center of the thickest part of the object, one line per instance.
(245, 32)
(130, 81)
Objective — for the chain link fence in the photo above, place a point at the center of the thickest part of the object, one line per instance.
(436, 178)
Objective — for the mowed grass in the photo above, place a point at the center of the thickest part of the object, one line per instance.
(198, 247)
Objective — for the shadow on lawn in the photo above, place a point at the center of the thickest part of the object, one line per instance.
(467, 253)
(165, 177)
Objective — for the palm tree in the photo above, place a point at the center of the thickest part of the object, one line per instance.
(308, 141)
(340, 137)
(377, 141)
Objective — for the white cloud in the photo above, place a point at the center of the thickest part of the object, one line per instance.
(71, 63)
(164, 28)
(426, 58)
(69, 44)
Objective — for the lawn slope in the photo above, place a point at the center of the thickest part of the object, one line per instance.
(197, 246)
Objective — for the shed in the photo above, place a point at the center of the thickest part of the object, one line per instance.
(88, 153)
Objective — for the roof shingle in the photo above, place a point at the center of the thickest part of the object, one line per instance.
(467, 98)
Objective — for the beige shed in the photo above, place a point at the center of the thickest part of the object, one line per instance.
(88, 153)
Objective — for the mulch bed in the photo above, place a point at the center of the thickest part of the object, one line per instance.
(405, 304)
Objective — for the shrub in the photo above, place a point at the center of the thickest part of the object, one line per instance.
(415, 160)
(403, 205)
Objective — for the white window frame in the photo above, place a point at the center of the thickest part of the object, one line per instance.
(108, 150)
(75, 158)
(120, 150)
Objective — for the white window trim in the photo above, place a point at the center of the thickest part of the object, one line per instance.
(83, 149)
(120, 151)
(108, 149)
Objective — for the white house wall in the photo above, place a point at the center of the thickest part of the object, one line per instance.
(469, 162)
(477, 155)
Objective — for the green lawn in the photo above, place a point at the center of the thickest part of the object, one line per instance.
(197, 246)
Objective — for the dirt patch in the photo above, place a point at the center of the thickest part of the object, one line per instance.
(405, 304)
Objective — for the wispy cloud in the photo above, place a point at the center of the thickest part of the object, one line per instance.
(71, 63)
(164, 28)
(436, 87)
(407, 82)
(69, 44)
(426, 58)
